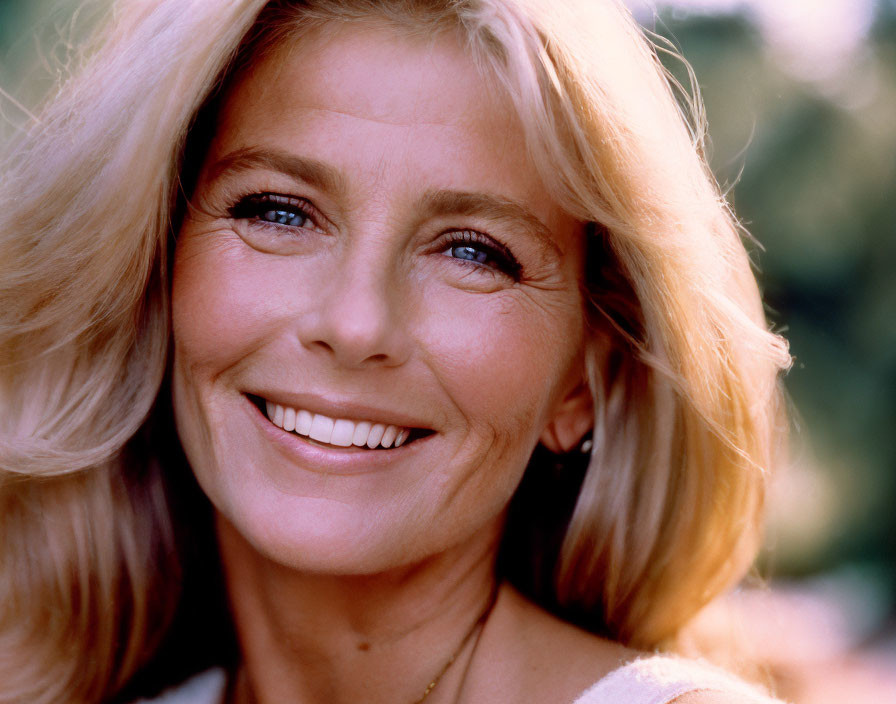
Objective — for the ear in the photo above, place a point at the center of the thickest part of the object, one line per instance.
(571, 420)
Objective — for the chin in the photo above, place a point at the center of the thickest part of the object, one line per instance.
(280, 499)
(317, 536)
(312, 525)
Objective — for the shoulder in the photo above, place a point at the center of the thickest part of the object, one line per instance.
(537, 657)
(531, 655)
(673, 680)
(716, 697)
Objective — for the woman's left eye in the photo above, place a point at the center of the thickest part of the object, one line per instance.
(275, 209)
(481, 251)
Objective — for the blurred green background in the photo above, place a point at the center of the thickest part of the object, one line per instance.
(802, 113)
(803, 130)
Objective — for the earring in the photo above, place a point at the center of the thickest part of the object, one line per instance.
(576, 460)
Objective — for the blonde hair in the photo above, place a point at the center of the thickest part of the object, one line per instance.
(681, 365)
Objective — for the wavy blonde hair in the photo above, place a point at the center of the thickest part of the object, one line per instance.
(682, 367)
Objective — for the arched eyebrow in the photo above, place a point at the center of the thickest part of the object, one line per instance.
(313, 172)
(434, 203)
(488, 207)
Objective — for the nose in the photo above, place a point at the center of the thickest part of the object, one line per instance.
(356, 316)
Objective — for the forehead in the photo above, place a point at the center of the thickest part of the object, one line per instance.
(413, 111)
(372, 73)
(372, 67)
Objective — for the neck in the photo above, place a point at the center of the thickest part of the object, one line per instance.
(375, 638)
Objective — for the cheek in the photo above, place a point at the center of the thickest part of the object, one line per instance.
(221, 314)
(218, 307)
(505, 358)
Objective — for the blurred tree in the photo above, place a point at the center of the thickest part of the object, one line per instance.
(813, 167)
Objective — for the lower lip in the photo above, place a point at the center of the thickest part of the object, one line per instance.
(330, 460)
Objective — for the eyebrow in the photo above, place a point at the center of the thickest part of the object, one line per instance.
(435, 202)
(489, 207)
(311, 171)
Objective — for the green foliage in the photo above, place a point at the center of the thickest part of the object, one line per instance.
(815, 166)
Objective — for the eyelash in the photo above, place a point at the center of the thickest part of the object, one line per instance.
(260, 205)
(502, 258)
(276, 210)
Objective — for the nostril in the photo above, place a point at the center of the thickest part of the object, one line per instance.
(378, 358)
(324, 345)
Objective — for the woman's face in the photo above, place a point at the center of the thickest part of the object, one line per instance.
(368, 246)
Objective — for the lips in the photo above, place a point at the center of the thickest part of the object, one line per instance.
(371, 433)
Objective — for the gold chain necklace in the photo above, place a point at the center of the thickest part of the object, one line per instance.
(477, 626)
(480, 622)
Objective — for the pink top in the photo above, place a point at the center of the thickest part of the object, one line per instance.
(661, 679)
(658, 679)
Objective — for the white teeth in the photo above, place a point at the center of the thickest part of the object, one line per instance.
(289, 419)
(389, 436)
(321, 428)
(339, 432)
(343, 430)
(376, 434)
(362, 430)
(303, 422)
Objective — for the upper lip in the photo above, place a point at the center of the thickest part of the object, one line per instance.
(340, 408)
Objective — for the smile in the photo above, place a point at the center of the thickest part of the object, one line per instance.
(337, 432)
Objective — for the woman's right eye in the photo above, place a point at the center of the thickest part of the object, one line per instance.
(276, 209)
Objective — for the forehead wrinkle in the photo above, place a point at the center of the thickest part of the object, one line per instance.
(382, 120)
(490, 207)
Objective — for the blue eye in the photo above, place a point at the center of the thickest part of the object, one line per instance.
(275, 209)
(481, 251)
(465, 251)
(285, 217)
